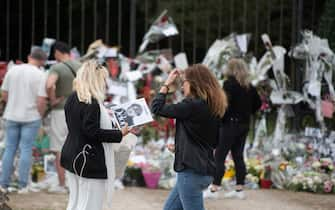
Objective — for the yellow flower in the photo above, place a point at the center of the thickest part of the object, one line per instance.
(283, 166)
(230, 173)
(130, 163)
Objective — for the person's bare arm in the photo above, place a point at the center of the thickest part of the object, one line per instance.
(51, 89)
(41, 105)
(4, 96)
(5, 88)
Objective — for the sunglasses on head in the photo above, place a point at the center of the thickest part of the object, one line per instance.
(97, 64)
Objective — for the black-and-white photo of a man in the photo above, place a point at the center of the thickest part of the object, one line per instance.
(128, 115)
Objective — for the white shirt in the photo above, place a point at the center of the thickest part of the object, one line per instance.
(24, 83)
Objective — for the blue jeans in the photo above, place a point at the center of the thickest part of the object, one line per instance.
(187, 194)
(18, 135)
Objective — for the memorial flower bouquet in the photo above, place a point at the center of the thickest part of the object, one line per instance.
(282, 173)
(151, 173)
(265, 179)
(324, 165)
(327, 165)
(253, 179)
(312, 182)
(151, 166)
(230, 170)
(255, 167)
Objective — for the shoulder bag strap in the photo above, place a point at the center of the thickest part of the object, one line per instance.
(71, 69)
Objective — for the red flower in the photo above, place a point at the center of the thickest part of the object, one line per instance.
(164, 19)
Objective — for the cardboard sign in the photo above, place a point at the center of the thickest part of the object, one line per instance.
(117, 88)
(180, 60)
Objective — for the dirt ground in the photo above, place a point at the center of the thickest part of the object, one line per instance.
(144, 199)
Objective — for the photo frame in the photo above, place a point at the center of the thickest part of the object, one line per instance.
(135, 113)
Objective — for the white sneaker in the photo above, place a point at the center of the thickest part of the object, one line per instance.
(118, 185)
(23, 191)
(34, 189)
(234, 194)
(12, 189)
(3, 190)
(208, 194)
(57, 190)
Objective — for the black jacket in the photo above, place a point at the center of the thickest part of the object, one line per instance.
(83, 122)
(242, 102)
(196, 133)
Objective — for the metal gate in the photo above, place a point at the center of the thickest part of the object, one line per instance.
(124, 22)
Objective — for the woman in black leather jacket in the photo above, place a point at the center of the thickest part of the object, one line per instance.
(197, 125)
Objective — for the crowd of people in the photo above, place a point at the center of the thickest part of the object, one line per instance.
(211, 121)
(28, 91)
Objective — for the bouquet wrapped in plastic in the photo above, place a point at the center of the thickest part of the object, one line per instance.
(161, 28)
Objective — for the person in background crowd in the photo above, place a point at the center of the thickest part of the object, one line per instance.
(23, 90)
(89, 169)
(59, 88)
(243, 101)
(197, 127)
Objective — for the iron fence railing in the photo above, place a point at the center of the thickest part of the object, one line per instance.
(124, 22)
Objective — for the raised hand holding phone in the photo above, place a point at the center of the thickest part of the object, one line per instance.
(174, 74)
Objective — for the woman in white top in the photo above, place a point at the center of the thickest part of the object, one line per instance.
(87, 154)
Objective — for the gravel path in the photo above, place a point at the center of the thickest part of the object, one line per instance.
(144, 199)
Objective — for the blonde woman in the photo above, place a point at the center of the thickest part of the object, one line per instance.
(197, 126)
(84, 152)
(243, 101)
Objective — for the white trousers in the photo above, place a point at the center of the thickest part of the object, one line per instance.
(85, 194)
